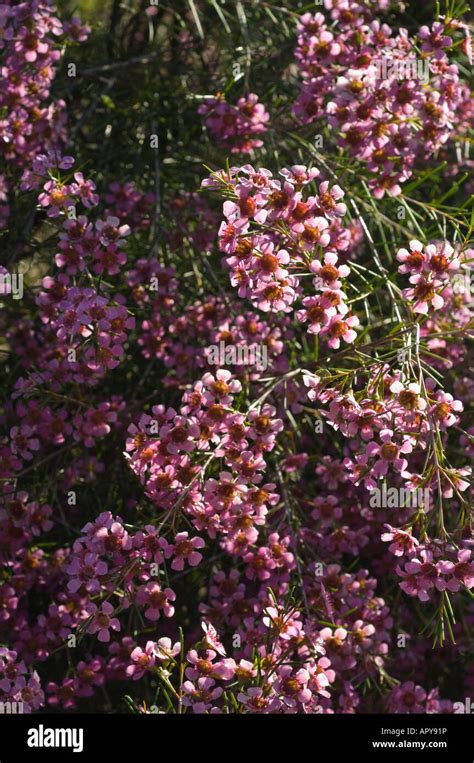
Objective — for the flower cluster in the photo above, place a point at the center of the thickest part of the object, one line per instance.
(391, 108)
(234, 437)
(274, 234)
(238, 126)
(30, 47)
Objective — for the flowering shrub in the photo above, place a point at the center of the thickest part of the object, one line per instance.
(235, 441)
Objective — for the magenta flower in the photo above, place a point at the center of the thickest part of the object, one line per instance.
(109, 260)
(407, 698)
(434, 38)
(56, 197)
(84, 190)
(340, 328)
(62, 695)
(292, 685)
(220, 388)
(459, 572)
(112, 232)
(155, 600)
(255, 701)
(388, 453)
(200, 695)
(143, 660)
(317, 312)
(102, 621)
(89, 675)
(234, 127)
(76, 30)
(23, 442)
(184, 550)
(401, 542)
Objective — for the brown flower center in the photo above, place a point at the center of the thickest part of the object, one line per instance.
(389, 451)
(328, 273)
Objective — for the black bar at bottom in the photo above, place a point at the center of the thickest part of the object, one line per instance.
(114, 738)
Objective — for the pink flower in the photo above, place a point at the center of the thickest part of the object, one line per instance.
(401, 541)
(313, 231)
(109, 260)
(267, 264)
(102, 621)
(111, 232)
(151, 545)
(23, 442)
(143, 659)
(247, 207)
(298, 174)
(340, 328)
(181, 435)
(413, 261)
(460, 572)
(165, 650)
(200, 695)
(407, 698)
(254, 700)
(445, 410)
(86, 569)
(211, 638)
(328, 200)
(441, 261)
(76, 30)
(205, 666)
(328, 274)
(276, 296)
(361, 633)
(260, 564)
(420, 576)
(62, 695)
(435, 38)
(388, 453)
(85, 190)
(184, 550)
(296, 462)
(408, 396)
(220, 388)
(56, 197)
(234, 127)
(88, 676)
(292, 685)
(156, 600)
(423, 294)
